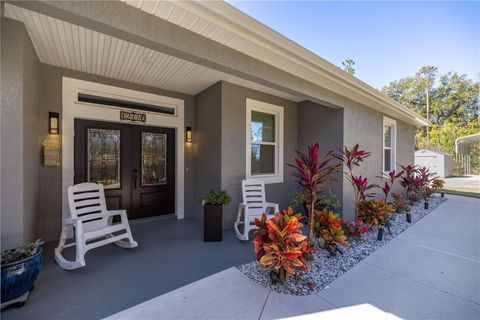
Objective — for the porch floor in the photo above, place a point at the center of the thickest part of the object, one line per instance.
(171, 254)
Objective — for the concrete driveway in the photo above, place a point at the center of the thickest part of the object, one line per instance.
(430, 271)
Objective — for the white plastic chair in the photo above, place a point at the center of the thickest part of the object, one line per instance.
(253, 206)
(92, 224)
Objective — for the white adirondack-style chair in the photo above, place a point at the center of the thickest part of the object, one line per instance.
(253, 206)
(92, 223)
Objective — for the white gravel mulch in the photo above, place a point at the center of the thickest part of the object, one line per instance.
(324, 268)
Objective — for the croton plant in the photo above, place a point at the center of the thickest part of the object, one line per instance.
(280, 244)
(399, 203)
(374, 211)
(328, 226)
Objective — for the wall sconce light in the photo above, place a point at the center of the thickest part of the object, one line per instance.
(189, 135)
(53, 123)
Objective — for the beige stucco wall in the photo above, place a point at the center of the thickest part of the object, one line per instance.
(365, 127)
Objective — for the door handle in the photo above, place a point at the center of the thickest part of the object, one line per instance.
(104, 170)
(134, 177)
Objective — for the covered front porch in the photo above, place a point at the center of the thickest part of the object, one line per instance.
(171, 254)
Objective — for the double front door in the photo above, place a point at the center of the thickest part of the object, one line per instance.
(136, 165)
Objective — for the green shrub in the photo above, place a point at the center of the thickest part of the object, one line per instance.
(216, 197)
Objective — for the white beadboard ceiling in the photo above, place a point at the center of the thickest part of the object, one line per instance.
(73, 47)
(220, 31)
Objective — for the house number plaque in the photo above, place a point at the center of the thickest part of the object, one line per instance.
(132, 116)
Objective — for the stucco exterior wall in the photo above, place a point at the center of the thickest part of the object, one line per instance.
(234, 147)
(32, 140)
(324, 125)
(51, 177)
(207, 143)
(20, 135)
(365, 126)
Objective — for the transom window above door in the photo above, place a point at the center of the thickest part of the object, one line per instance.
(389, 144)
(264, 154)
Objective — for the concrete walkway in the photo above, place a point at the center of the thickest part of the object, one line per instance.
(430, 271)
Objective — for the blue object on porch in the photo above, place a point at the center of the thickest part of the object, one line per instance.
(18, 277)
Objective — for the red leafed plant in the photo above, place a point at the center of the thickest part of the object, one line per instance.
(390, 178)
(313, 172)
(362, 186)
(412, 183)
(352, 158)
(374, 211)
(427, 178)
(280, 244)
(328, 226)
(355, 230)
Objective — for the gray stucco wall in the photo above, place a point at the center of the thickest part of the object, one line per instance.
(32, 140)
(207, 143)
(365, 126)
(324, 125)
(51, 177)
(20, 135)
(234, 147)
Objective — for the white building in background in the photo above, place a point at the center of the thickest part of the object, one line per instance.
(436, 161)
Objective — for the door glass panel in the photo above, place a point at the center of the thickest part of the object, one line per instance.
(103, 157)
(263, 127)
(154, 158)
(263, 159)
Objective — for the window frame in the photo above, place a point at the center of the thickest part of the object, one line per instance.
(278, 112)
(393, 149)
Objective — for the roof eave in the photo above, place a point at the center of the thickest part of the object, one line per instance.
(237, 21)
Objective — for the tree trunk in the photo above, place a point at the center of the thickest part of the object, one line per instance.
(311, 219)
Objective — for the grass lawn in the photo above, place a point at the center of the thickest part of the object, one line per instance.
(464, 191)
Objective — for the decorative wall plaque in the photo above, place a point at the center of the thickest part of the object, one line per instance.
(51, 150)
(132, 116)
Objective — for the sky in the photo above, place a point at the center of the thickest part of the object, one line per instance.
(387, 40)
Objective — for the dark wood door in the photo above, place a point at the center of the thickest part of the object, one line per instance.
(136, 165)
(153, 171)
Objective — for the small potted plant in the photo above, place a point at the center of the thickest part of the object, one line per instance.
(213, 204)
(20, 268)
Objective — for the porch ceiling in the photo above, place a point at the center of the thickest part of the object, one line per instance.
(70, 46)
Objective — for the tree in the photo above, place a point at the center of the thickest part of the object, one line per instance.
(347, 65)
(453, 107)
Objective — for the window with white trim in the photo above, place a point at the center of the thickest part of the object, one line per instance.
(389, 144)
(264, 153)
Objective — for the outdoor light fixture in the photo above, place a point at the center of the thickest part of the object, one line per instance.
(53, 123)
(189, 134)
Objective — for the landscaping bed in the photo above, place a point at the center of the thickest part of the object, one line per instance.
(325, 268)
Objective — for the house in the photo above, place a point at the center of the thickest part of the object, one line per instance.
(124, 83)
(438, 162)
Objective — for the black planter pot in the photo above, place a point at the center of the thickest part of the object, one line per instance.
(442, 194)
(380, 234)
(212, 223)
(426, 204)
